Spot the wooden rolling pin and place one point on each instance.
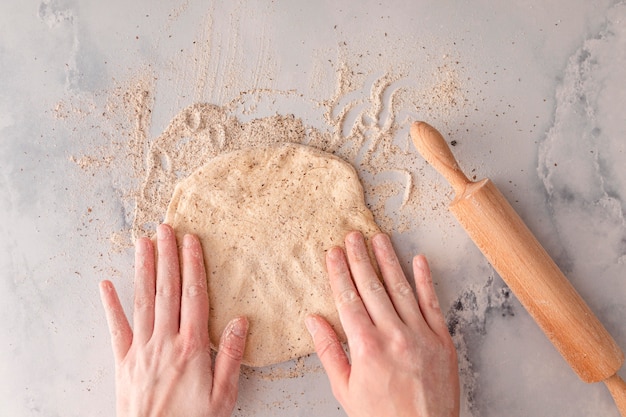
(527, 269)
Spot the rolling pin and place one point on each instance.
(527, 269)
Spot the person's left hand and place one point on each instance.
(163, 365)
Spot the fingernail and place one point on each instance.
(418, 262)
(380, 240)
(334, 253)
(311, 325)
(163, 232)
(238, 327)
(187, 241)
(355, 238)
(142, 245)
(106, 286)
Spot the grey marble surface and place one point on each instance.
(537, 105)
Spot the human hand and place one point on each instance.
(163, 365)
(402, 359)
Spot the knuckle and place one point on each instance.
(191, 346)
(403, 289)
(347, 296)
(326, 345)
(232, 346)
(401, 343)
(375, 286)
(195, 290)
(365, 345)
(143, 303)
(232, 350)
(168, 291)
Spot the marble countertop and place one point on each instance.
(531, 92)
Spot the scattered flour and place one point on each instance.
(202, 130)
(370, 131)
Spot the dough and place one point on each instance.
(265, 217)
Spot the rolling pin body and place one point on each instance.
(528, 270)
(537, 282)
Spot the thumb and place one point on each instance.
(331, 353)
(228, 360)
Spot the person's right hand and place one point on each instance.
(402, 359)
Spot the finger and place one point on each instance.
(368, 284)
(399, 290)
(167, 302)
(194, 308)
(143, 317)
(331, 353)
(352, 312)
(228, 361)
(427, 298)
(121, 333)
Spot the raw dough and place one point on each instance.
(266, 217)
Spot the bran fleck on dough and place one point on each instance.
(265, 217)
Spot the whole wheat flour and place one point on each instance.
(265, 217)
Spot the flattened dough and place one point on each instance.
(266, 217)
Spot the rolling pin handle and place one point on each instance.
(433, 147)
(617, 387)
